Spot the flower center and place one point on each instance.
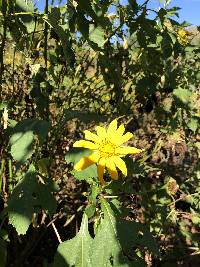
(107, 149)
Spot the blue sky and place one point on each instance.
(190, 9)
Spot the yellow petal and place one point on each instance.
(112, 128)
(101, 132)
(85, 162)
(120, 164)
(124, 138)
(91, 136)
(85, 144)
(127, 150)
(110, 165)
(120, 130)
(100, 170)
(118, 135)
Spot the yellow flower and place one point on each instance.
(182, 33)
(107, 150)
(183, 37)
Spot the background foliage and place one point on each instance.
(66, 70)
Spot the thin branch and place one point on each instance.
(56, 232)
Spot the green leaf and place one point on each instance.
(75, 252)
(63, 34)
(183, 95)
(24, 6)
(21, 146)
(90, 210)
(40, 127)
(198, 76)
(193, 124)
(21, 140)
(97, 35)
(27, 19)
(75, 154)
(106, 234)
(120, 237)
(166, 45)
(3, 106)
(87, 174)
(27, 195)
(86, 6)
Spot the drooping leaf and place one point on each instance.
(27, 195)
(75, 252)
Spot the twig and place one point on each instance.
(110, 197)
(73, 216)
(3, 43)
(2, 172)
(56, 232)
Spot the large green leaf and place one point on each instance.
(21, 140)
(116, 238)
(21, 145)
(75, 252)
(29, 194)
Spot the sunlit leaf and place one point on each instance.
(97, 35)
(87, 174)
(21, 141)
(26, 6)
(76, 251)
(115, 238)
(183, 95)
